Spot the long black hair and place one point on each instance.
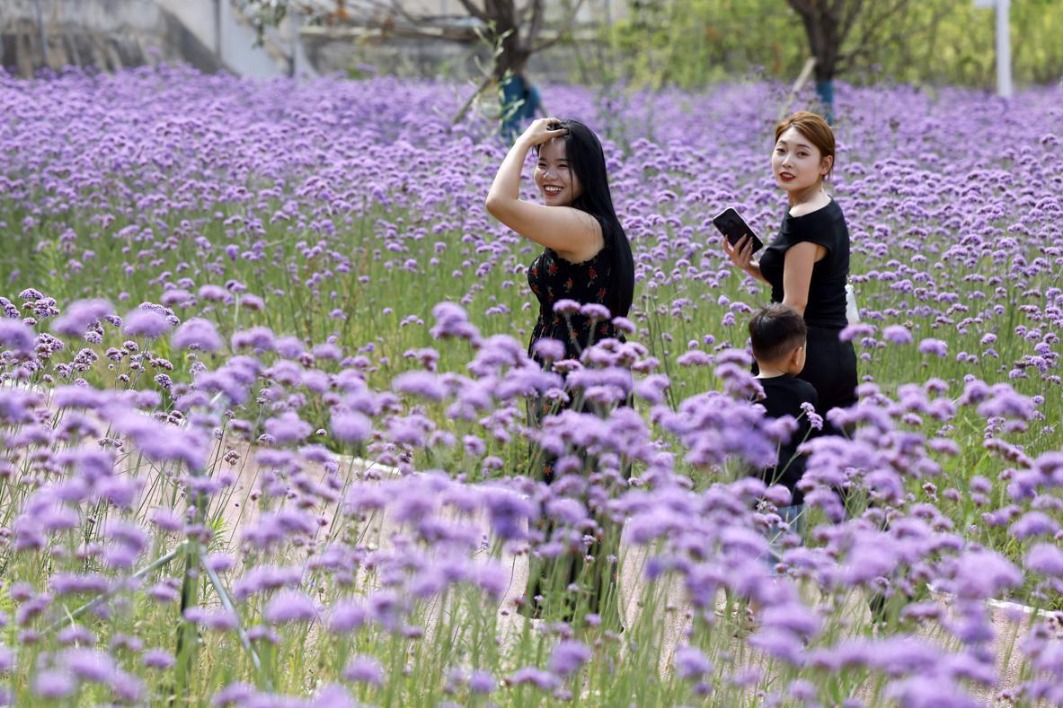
(586, 159)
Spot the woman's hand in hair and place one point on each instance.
(572, 233)
(542, 130)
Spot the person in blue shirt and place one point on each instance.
(521, 102)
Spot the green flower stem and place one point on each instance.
(100, 599)
(227, 603)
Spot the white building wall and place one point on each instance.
(213, 23)
(199, 16)
(211, 33)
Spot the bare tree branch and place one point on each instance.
(566, 22)
(397, 7)
(837, 8)
(845, 26)
(535, 26)
(855, 25)
(524, 13)
(871, 34)
(473, 10)
(472, 99)
(512, 27)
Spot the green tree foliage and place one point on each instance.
(690, 43)
(954, 43)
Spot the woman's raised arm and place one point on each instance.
(575, 235)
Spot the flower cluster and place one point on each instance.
(273, 432)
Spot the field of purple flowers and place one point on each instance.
(265, 388)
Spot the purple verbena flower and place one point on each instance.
(543, 680)
(146, 323)
(420, 383)
(453, 322)
(289, 606)
(936, 347)
(897, 334)
(18, 337)
(365, 669)
(81, 315)
(288, 428)
(568, 657)
(1045, 558)
(197, 333)
(691, 664)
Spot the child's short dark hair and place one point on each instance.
(775, 331)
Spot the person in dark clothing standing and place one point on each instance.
(586, 255)
(807, 264)
(521, 102)
(586, 258)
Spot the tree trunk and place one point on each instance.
(822, 22)
(514, 33)
(821, 28)
(515, 51)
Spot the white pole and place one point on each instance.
(217, 27)
(1003, 48)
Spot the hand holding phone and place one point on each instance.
(734, 228)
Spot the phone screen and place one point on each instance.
(734, 227)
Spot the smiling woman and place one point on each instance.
(554, 177)
(584, 280)
(586, 256)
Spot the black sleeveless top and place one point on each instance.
(553, 278)
(826, 291)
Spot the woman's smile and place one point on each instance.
(554, 177)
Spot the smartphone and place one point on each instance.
(734, 228)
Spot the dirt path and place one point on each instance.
(1010, 623)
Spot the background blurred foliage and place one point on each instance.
(691, 43)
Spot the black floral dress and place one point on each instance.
(567, 587)
(553, 278)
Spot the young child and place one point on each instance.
(777, 334)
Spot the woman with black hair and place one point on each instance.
(586, 258)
